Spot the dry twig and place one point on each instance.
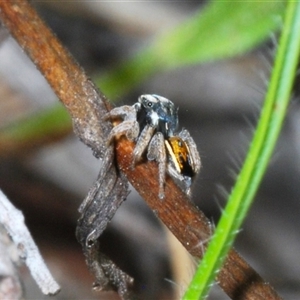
(10, 285)
(13, 221)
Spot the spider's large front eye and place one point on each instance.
(148, 101)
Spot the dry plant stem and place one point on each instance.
(13, 221)
(79, 96)
(65, 76)
(10, 285)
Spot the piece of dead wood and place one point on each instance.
(13, 221)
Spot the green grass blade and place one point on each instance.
(259, 154)
(222, 29)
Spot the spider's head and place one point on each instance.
(160, 113)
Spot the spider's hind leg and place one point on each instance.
(194, 156)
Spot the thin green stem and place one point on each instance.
(261, 149)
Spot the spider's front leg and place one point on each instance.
(157, 152)
(142, 143)
(130, 127)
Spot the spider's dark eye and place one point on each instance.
(149, 104)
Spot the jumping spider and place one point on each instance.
(152, 122)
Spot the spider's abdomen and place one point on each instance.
(180, 155)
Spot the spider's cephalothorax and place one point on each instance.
(152, 123)
(158, 112)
